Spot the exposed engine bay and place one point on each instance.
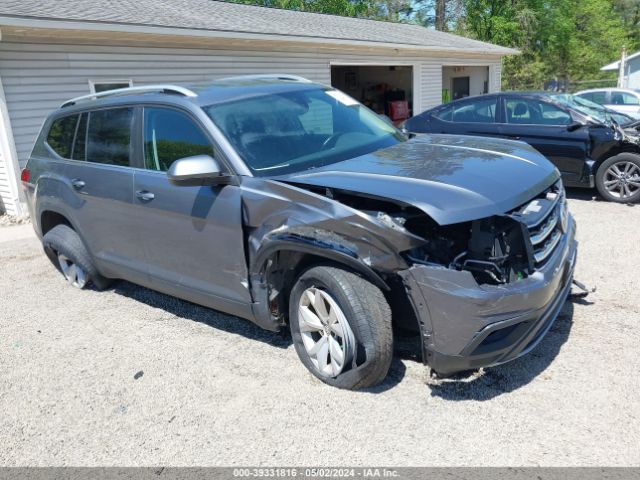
(496, 250)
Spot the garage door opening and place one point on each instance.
(385, 89)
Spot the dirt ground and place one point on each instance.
(132, 377)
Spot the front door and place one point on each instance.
(192, 235)
(544, 126)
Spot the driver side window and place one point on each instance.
(170, 135)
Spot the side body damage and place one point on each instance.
(287, 227)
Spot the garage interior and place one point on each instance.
(464, 81)
(385, 89)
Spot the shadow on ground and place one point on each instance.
(207, 316)
(237, 326)
(513, 375)
(588, 194)
(494, 382)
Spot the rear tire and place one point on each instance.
(341, 327)
(618, 178)
(68, 254)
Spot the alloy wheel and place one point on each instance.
(622, 179)
(73, 272)
(326, 334)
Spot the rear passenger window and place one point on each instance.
(478, 111)
(61, 135)
(170, 135)
(109, 136)
(445, 114)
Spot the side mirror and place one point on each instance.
(572, 127)
(196, 170)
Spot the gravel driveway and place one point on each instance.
(133, 377)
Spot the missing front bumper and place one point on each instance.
(467, 326)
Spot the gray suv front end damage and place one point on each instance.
(466, 318)
(465, 325)
(481, 291)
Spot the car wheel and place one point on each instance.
(618, 178)
(341, 327)
(68, 254)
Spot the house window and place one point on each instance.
(97, 86)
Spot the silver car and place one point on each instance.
(621, 100)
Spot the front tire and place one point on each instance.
(618, 178)
(68, 254)
(341, 327)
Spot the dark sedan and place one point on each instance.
(584, 140)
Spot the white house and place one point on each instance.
(631, 74)
(51, 51)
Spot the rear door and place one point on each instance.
(476, 116)
(101, 180)
(192, 235)
(544, 126)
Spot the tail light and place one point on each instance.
(25, 175)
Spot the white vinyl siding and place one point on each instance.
(495, 77)
(430, 86)
(7, 203)
(38, 77)
(10, 201)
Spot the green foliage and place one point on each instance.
(347, 8)
(567, 39)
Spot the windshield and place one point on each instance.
(591, 109)
(298, 130)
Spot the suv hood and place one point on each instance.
(451, 178)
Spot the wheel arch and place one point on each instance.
(624, 149)
(278, 264)
(51, 218)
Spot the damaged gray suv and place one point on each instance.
(288, 203)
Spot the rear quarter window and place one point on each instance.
(61, 135)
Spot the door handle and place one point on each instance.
(77, 184)
(145, 195)
(514, 137)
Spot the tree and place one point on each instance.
(441, 21)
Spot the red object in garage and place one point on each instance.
(398, 110)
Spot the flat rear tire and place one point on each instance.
(67, 252)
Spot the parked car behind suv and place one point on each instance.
(621, 100)
(584, 140)
(288, 203)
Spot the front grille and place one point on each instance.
(546, 219)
